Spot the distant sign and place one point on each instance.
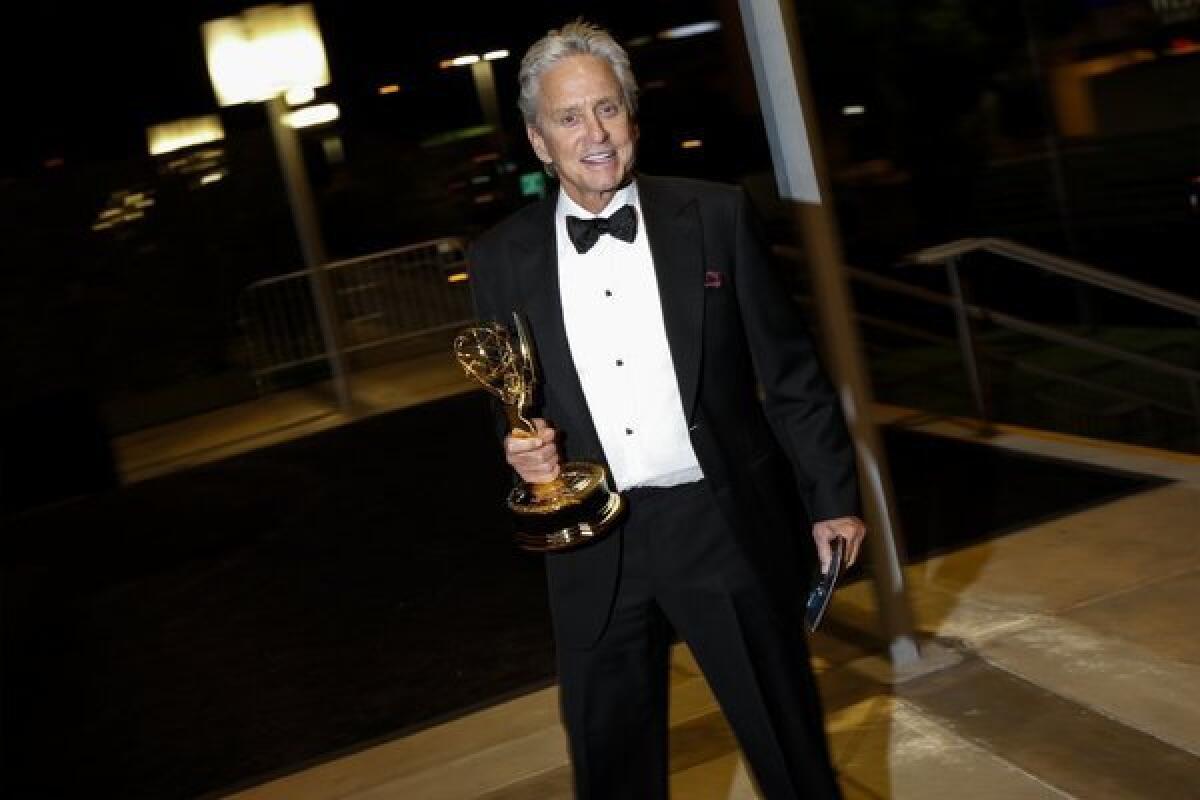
(533, 184)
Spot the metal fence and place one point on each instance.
(380, 299)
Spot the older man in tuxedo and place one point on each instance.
(658, 321)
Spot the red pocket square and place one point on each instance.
(713, 279)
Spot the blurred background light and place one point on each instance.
(694, 29)
(263, 52)
(853, 111)
(494, 55)
(167, 137)
(460, 61)
(312, 115)
(334, 148)
(299, 95)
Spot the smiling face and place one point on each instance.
(584, 129)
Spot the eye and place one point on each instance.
(567, 120)
(608, 109)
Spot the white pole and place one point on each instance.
(780, 74)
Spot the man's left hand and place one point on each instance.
(851, 529)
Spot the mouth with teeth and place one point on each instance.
(599, 159)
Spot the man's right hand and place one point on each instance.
(535, 458)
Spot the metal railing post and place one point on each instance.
(968, 346)
(1194, 390)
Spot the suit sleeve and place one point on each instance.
(800, 403)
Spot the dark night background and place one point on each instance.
(962, 136)
(1067, 125)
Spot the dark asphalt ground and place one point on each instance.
(208, 628)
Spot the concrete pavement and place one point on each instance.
(1062, 659)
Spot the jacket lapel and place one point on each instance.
(677, 244)
(536, 259)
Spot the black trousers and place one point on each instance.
(683, 568)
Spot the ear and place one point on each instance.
(538, 144)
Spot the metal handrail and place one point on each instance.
(1024, 326)
(1058, 265)
(966, 312)
(1018, 363)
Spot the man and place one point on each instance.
(653, 332)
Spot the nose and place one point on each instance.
(595, 129)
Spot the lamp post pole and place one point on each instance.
(312, 247)
(485, 86)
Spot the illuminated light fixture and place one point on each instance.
(312, 115)
(212, 177)
(473, 58)
(299, 95)
(456, 277)
(691, 144)
(183, 133)
(694, 29)
(853, 111)
(461, 61)
(263, 52)
(391, 88)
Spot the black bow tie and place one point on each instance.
(586, 232)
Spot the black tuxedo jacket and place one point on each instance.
(733, 330)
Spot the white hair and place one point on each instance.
(573, 39)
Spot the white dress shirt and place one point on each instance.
(618, 342)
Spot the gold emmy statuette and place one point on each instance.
(578, 506)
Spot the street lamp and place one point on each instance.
(485, 81)
(259, 56)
